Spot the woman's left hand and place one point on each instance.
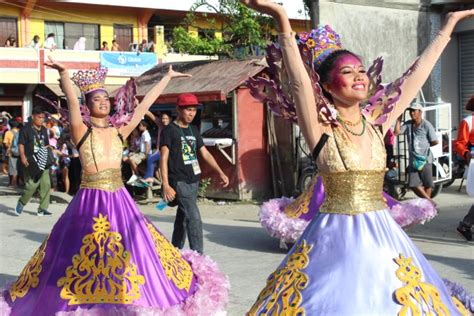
(460, 15)
(174, 74)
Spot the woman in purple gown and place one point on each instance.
(353, 258)
(103, 257)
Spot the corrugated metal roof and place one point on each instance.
(218, 77)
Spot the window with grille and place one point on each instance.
(8, 27)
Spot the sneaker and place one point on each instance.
(132, 179)
(43, 213)
(465, 231)
(19, 208)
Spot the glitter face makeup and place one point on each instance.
(349, 79)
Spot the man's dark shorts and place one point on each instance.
(422, 178)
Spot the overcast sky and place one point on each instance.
(294, 8)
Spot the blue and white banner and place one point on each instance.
(127, 64)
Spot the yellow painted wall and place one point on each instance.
(106, 34)
(193, 32)
(203, 23)
(135, 34)
(92, 16)
(9, 10)
(36, 27)
(160, 47)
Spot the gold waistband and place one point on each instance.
(353, 192)
(107, 180)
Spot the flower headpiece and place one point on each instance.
(90, 80)
(321, 42)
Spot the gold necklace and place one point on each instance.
(99, 126)
(349, 123)
(343, 123)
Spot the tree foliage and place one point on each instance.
(240, 27)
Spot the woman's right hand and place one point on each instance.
(55, 65)
(168, 193)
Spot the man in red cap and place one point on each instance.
(180, 143)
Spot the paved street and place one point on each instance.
(235, 239)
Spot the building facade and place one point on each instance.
(22, 69)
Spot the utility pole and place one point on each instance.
(314, 13)
(313, 8)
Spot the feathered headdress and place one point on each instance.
(92, 80)
(274, 86)
(322, 42)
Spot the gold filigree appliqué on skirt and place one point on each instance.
(300, 206)
(282, 295)
(416, 297)
(176, 268)
(102, 272)
(29, 277)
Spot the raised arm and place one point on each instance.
(301, 83)
(424, 65)
(143, 107)
(78, 128)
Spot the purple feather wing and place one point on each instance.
(124, 104)
(273, 87)
(64, 113)
(382, 101)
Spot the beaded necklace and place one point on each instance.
(345, 123)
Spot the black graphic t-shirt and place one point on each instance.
(183, 144)
(33, 139)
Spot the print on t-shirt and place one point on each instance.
(188, 149)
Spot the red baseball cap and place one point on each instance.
(187, 99)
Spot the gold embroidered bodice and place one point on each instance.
(353, 170)
(101, 150)
(344, 152)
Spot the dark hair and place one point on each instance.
(144, 123)
(324, 70)
(114, 41)
(104, 43)
(470, 104)
(166, 113)
(50, 35)
(36, 37)
(13, 124)
(37, 110)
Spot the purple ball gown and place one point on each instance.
(103, 257)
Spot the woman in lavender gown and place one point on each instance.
(353, 258)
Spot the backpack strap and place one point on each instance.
(83, 139)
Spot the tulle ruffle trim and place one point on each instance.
(456, 290)
(413, 212)
(211, 296)
(278, 225)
